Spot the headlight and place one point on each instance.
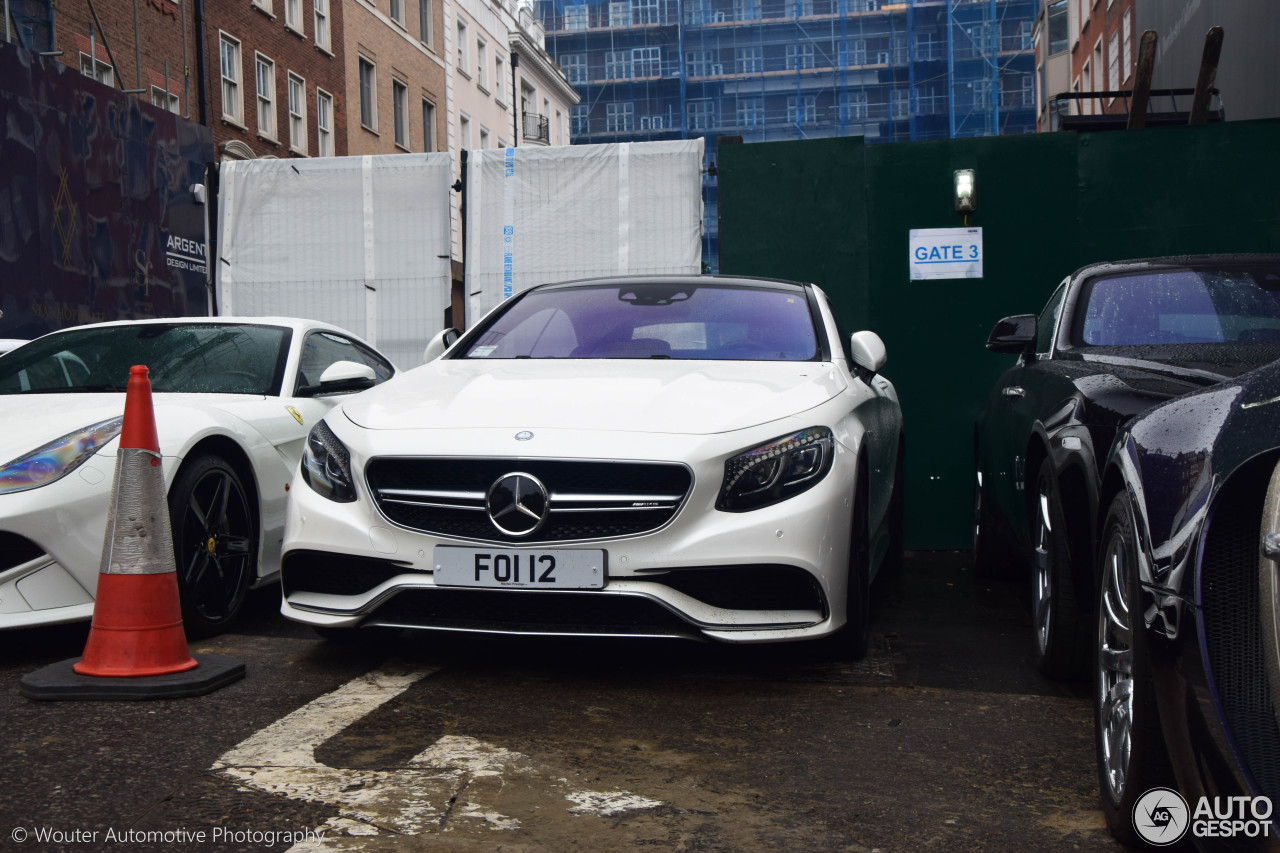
(773, 472)
(326, 465)
(56, 459)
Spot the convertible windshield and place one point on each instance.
(1182, 306)
(209, 358)
(659, 320)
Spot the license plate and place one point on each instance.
(519, 568)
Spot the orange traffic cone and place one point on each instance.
(136, 647)
(137, 617)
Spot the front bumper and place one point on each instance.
(771, 574)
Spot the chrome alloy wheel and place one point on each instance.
(1042, 601)
(1115, 666)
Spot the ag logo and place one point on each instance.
(1161, 817)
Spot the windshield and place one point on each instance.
(659, 320)
(191, 358)
(1182, 306)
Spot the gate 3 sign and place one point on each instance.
(946, 253)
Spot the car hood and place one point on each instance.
(659, 396)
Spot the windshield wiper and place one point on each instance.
(74, 389)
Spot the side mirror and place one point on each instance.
(346, 376)
(867, 351)
(1013, 334)
(437, 346)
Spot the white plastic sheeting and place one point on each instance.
(360, 242)
(551, 214)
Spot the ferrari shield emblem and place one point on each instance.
(297, 416)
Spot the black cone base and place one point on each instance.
(60, 681)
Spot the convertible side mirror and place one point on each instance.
(867, 351)
(1013, 334)
(438, 344)
(342, 376)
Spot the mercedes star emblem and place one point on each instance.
(517, 504)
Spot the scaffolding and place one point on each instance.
(767, 70)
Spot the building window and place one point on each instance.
(746, 10)
(484, 138)
(499, 74)
(428, 125)
(620, 14)
(1113, 62)
(619, 117)
(617, 65)
(929, 46)
(1058, 39)
(804, 8)
(97, 69)
(864, 5)
(266, 78)
(293, 14)
(400, 113)
(482, 64)
(645, 11)
(646, 61)
(578, 114)
(803, 110)
(799, 56)
(1126, 37)
(858, 52)
(702, 115)
(981, 94)
(575, 17)
(575, 67)
(462, 48)
(368, 95)
(698, 62)
(324, 123)
(749, 60)
(899, 103)
(322, 24)
(232, 106)
(265, 5)
(395, 8)
(750, 112)
(164, 100)
(297, 114)
(424, 21)
(464, 132)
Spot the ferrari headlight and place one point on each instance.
(775, 471)
(326, 465)
(57, 459)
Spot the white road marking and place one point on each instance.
(427, 796)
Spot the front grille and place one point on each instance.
(530, 613)
(752, 587)
(16, 550)
(588, 500)
(1233, 635)
(334, 574)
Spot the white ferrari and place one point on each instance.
(695, 457)
(234, 400)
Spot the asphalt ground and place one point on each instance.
(943, 738)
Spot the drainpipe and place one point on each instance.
(515, 100)
(201, 81)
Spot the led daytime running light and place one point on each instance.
(740, 465)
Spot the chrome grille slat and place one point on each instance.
(588, 499)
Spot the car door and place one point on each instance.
(1024, 395)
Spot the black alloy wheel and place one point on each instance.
(1131, 755)
(1062, 636)
(215, 543)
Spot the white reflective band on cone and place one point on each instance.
(139, 539)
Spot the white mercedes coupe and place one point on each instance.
(694, 457)
(234, 400)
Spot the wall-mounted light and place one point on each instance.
(966, 190)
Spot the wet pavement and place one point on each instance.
(943, 738)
